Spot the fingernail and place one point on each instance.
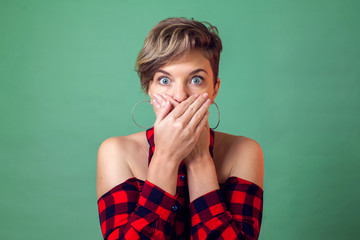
(156, 103)
(196, 95)
(205, 95)
(157, 96)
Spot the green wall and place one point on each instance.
(290, 75)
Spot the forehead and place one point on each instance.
(193, 59)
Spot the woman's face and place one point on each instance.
(185, 76)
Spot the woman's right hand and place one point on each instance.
(178, 127)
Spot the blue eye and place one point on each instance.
(164, 80)
(197, 80)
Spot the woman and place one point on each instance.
(180, 179)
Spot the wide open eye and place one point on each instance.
(164, 80)
(197, 80)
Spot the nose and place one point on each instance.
(179, 92)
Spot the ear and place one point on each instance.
(216, 89)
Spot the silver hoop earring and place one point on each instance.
(219, 116)
(132, 113)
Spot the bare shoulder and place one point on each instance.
(116, 158)
(242, 156)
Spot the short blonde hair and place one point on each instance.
(174, 37)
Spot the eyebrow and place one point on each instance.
(193, 72)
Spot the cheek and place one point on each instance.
(211, 95)
(201, 89)
(157, 90)
(152, 91)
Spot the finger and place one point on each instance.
(163, 112)
(207, 126)
(196, 106)
(160, 99)
(171, 99)
(183, 106)
(173, 102)
(202, 124)
(198, 116)
(157, 106)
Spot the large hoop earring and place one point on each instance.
(217, 107)
(133, 110)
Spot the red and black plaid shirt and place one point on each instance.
(137, 209)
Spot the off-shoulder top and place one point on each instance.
(137, 209)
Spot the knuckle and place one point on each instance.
(198, 117)
(179, 125)
(192, 108)
(187, 131)
(192, 141)
(182, 125)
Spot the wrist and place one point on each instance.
(168, 168)
(200, 167)
(195, 163)
(164, 163)
(202, 177)
(164, 156)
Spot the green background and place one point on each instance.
(290, 75)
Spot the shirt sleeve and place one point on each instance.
(235, 212)
(126, 212)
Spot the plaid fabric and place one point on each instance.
(137, 209)
(233, 212)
